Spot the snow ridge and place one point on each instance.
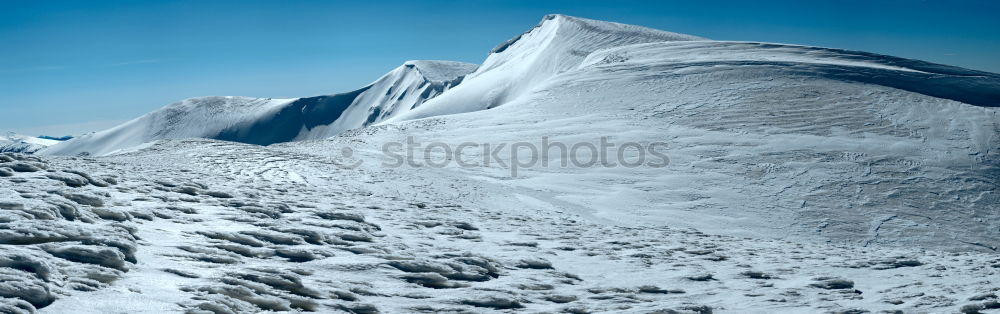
(401, 90)
(265, 121)
(441, 71)
(969, 86)
(193, 117)
(558, 44)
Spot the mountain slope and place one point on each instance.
(560, 43)
(765, 140)
(969, 86)
(557, 44)
(266, 121)
(402, 90)
(194, 117)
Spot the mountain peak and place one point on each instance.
(573, 24)
(557, 44)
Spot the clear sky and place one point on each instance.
(70, 66)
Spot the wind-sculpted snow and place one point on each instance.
(55, 238)
(266, 121)
(223, 227)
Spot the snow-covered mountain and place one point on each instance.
(265, 121)
(18, 143)
(514, 69)
(767, 139)
(800, 179)
(867, 110)
(562, 43)
(850, 128)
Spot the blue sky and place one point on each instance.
(70, 66)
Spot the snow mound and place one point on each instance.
(194, 117)
(265, 121)
(558, 44)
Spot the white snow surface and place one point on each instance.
(801, 180)
(198, 225)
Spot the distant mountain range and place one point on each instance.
(19, 143)
(266, 121)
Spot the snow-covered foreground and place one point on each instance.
(225, 227)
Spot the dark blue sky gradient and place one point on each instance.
(67, 62)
